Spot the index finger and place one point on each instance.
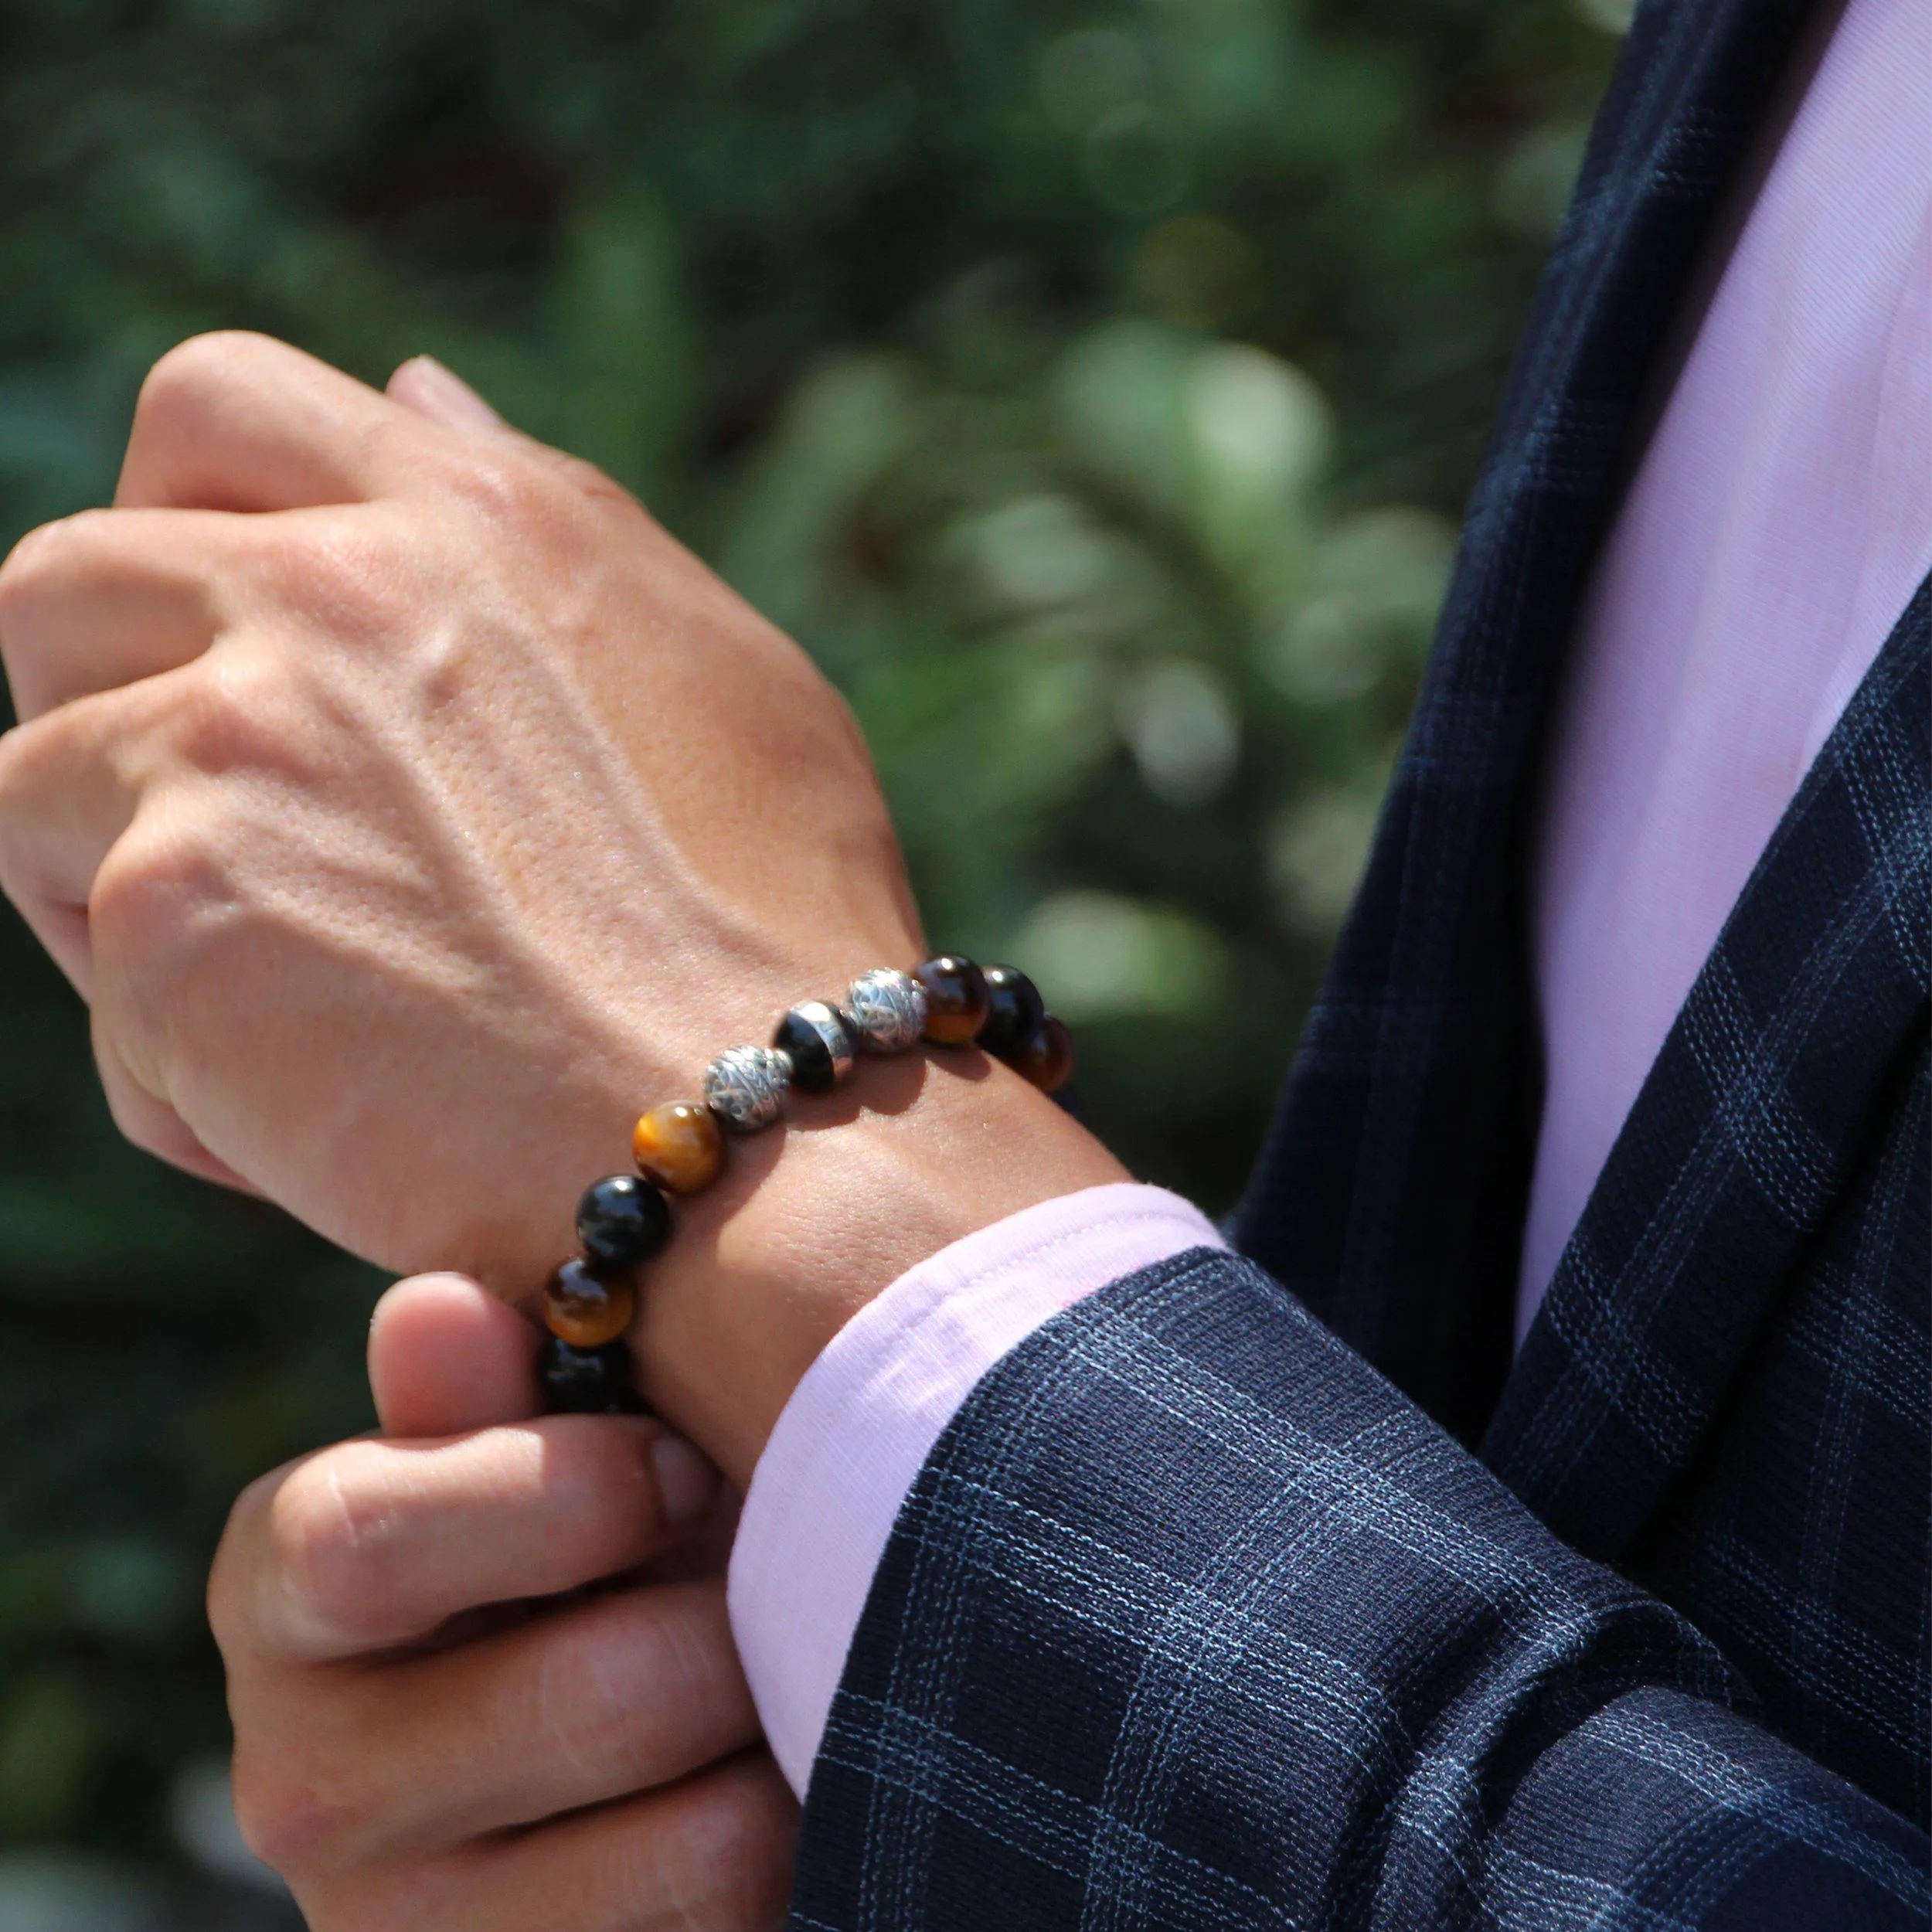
(239, 421)
(375, 1544)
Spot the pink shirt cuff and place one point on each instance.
(852, 1440)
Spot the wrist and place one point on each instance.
(813, 1220)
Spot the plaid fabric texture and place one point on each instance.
(1194, 1620)
(1204, 1614)
(1726, 1390)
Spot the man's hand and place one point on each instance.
(440, 1724)
(370, 766)
(414, 812)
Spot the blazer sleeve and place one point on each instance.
(1191, 1619)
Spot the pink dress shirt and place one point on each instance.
(1779, 520)
(850, 1440)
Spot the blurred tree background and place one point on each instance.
(1093, 388)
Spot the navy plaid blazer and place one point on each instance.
(1264, 1591)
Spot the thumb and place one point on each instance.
(445, 1356)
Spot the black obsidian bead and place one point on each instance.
(819, 1045)
(1015, 1010)
(622, 1221)
(588, 1382)
(955, 999)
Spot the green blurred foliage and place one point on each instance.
(1092, 389)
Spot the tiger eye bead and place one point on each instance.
(588, 1382)
(622, 1222)
(587, 1307)
(955, 991)
(1047, 1059)
(678, 1147)
(1015, 1010)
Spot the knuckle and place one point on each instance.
(145, 892)
(139, 1126)
(507, 487)
(17, 753)
(593, 1729)
(39, 564)
(757, 1816)
(737, 1851)
(618, 1690)
(323, 1547)
(293, 1816)
(181, 386)
(274, 1822)
(232, 1594)
(242, 713)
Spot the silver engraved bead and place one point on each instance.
(887, 1011)
(746, 1087)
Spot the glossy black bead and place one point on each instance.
(819, 1045)
(588, 1382)
(622, 1221)
(1015, 1010)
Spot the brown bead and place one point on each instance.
(1047, 1059)
(678, 1147)
(587, 1309)
(955, 999)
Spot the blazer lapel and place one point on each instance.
(1390, 1192)
(1756, 1107)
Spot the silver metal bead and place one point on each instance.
(886, 1011)
(746, 1087)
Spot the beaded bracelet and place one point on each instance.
(624, 1219)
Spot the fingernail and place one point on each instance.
(686, 1481)
(448, 398)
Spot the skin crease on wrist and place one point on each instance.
(414, 813)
